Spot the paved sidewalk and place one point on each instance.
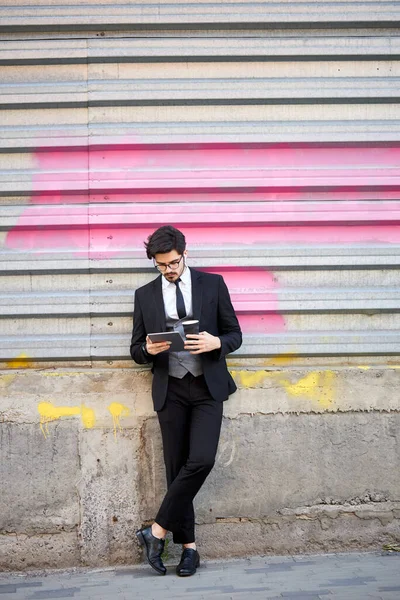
(350, 576)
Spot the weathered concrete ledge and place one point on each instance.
(308, 461)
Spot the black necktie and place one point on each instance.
(180, 303)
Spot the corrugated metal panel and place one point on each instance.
(307, 47)
(108, 15)
(200, 83)
(278, 156)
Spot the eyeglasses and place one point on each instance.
(173, 265)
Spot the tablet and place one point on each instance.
(169, 336)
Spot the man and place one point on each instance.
(189, 387)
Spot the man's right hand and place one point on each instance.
(154, 348)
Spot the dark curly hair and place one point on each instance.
(163, 240)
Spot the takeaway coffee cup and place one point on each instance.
(190, 326)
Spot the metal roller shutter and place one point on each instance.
(267, 131)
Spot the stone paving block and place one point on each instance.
(350, 581)
(105, 597)
(384, 559)
(58, 593)
(355, 595)
(389, 579)
(300, 596)
(29, 584)
(126, 572)
(220, 588)
(306, 594)
(314, 557)
(341, 563)
(237, 581)
(269, 568)
(8, 589)
(274, 586)
(98, 584)
(268, 560)
(251, 589)
(240, 596)
(145, 574)
(200, 580)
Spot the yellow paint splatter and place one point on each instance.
(63, 374)
(117, 412)
(316, 386)
(363, 367)
(88, 417)
(5, 380)
(48, 412)
(282, 360)
(250, 379)
(19, 362)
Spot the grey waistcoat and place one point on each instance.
(182, 362)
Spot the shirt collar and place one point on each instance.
(185, 279)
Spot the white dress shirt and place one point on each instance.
(169, 294)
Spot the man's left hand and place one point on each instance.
(197, 343)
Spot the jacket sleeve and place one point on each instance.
(139, 336)
(229, 329)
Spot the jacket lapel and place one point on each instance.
(159, 304)
(197, 293)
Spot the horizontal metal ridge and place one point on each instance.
(213, 214)
(191, 49)
(278, 257)
(121, 168)
(13, 140)
(102, 347)
(183, 15)
(257, 90)
(120, 302)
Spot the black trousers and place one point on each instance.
(190, 423)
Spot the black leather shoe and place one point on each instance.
(190, 560)
(154, 547)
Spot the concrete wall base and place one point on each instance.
(308, 461)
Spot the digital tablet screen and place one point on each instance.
(169, 336)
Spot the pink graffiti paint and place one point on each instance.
(102, 202)
(59, 179)
(236, 196)
(261, 324)
(254, 297)
(285, 203)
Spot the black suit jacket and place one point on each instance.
(213, 308)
